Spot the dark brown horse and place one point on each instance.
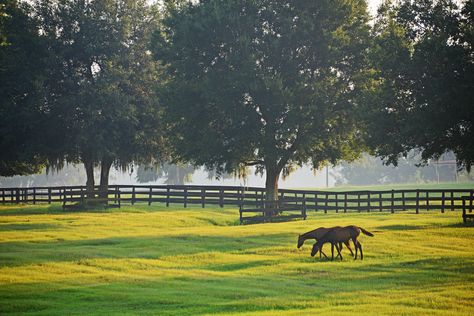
(317, 234)
(339, 235)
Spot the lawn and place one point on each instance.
(175, 261)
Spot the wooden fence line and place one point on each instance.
(360, 201)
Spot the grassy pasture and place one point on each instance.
(175, 261)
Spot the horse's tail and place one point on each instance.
(366, 232)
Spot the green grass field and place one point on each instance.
(175, 261)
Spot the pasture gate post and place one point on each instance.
(185, 197)
(443, 201)
(149, 196)
(3, 195)
(417, 201)
(203, 197)
(221, 197)
(167, 195)
(337, 202)
(392, 210)
(345, 202)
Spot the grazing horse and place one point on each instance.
(317, 234)
(339, 235)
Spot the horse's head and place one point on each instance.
(315, 249)
(300, 241)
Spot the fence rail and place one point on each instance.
(360, 201)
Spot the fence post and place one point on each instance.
(380, 202)
(149, 196)
(17, 196)
(168, 196)
(3, 195)
(452, 201)
(221, 197)
(470, 201)
(185, 197)
(393, 201)
(133, 195)
(464, 219)
(304, 209)
(403, 199)
(345, 202)
(443, 201)
(326, 203)
(34, 195)
(417, 201)
(337, 202)
(119, 194)
(358, 202)
(368, 202)
(203, 197)
(427, 200)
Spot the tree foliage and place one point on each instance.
(22, 71)
(268, 83)
(425, 91)
(100, 87)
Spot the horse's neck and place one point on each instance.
(309, 235)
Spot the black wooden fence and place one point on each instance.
(368, 201)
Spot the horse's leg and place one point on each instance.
(354, 240)
(361, 253)
(348, 247)
(322, 252)
(332, 251)
(339, 250)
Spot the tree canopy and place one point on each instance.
(22, 71)
(100, 87)
(424, 56)
(269, 83)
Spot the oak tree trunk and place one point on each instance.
(105, 165)
(89, 166)
(271, 189)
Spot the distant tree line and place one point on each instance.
(370, 170)
(232, 84)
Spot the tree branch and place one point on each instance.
(254, 163)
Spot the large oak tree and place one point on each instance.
(266, 83)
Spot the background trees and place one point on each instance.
(262, 82)
(424, 57)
